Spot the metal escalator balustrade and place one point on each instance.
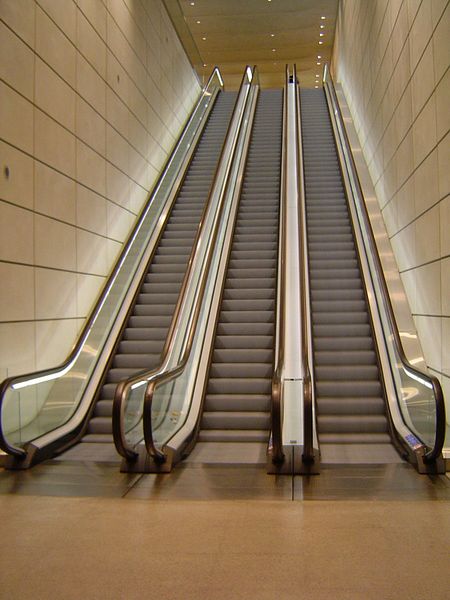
(42, 412)
(136, 416)
(415, 404)
(349, 390)
(144, 337)
(238, 393)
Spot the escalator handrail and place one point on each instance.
(308, 397)
(5, 445)
(163, 372)
(435, 452)
(276, 407)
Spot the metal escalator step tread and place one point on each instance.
(233, 435)
(236, 402)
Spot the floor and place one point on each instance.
(81, 530)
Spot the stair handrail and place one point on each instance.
(435, 452)
(163, 372)
(51, 373)
(308, 383)
(276, 406)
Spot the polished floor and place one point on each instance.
(81, 530)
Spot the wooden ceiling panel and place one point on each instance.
(234, 33)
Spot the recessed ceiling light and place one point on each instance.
(205, 65)
(272, 35)
(322, 27)
(318, 63)
(274, 49)
(320, 42)
(317, 87)
(317, 75)
(320, 17)
(321, 34)
(204, 39)
(193, 4)
(319, 56)
(198, 22)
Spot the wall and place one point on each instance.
(392, 58)
(93, 95)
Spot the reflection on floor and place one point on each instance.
(83, 530)
(197, 481)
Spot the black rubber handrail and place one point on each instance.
(10, 381)
(276, 406)
(435, 452)
(162, 372)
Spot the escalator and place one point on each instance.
(351, 408)
(235, 424)
(142, 340)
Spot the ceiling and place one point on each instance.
(270, 33)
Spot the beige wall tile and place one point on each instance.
(116, 149)
(440, 45)
(405, 158)
(91, 210)
(92, 255)
(116, 76)
(16, 119)
(119, 222)
(56, 183)
(17, 63)
(406, 204)
(409, 283)
(17, 354)
(63, 14)
(443, 162)
(442, 98)
(91, 168)
(426, 183)
(54, 341)
(138, 197)
(446, 347)
(429, 330)
(113, 250)
(420, 32)
(20, 16)
(54, 194)
(427, 236)
(90, 85)
(18, 187)
(95, 12)
(54, 96)
(17, 297)
(404, 246)
(91, 45)
(54, 47)
(445, 286)
(428, 294)
(54, 145)
(117, 112)
(16, 234)
(89, 288)
(55, 245)
(117, 186)
(423, 80)
(424, 131)
(90, 126)
(55, 294)
(444, 218)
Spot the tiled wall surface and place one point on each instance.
(93, 94)
(392, 59)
